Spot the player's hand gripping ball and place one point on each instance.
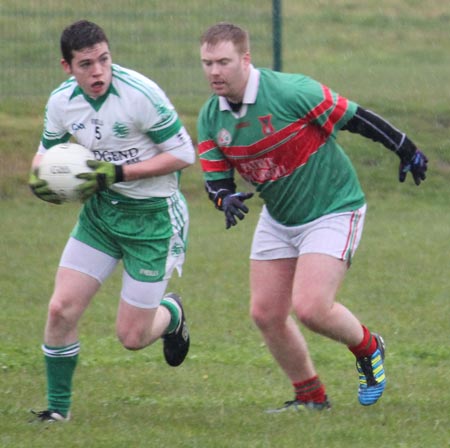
(55, 179)
(102, 176)
(40, 188)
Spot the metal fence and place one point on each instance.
(157, 38)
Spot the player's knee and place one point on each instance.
(266, 319)
(132, 344)
(55, 310)
(131, 340)
(309, 316)
(59, 313)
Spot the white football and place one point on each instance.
(59, 166)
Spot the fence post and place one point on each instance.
(276, 30)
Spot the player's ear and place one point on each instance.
(247, 59)
(66, 66)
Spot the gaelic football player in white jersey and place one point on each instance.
(133, 209)
(278, 130)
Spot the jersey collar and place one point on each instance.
(251, 90)
(96, 103)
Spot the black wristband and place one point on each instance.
(406, 150)
(119, 173)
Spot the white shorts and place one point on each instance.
(336, 234)
(84, 258)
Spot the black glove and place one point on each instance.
(417, 166)
(232, 204)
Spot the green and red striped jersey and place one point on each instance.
(283, 141)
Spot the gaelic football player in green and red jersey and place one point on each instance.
(133, 209)
(278, 131)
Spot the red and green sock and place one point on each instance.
(311, 390)
(366, 347)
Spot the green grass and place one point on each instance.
(390, 56)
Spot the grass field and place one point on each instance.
(391, 56)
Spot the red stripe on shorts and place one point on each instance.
(352, 231)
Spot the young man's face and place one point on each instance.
(91, 67)
(226, 69)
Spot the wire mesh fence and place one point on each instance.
(158, 38)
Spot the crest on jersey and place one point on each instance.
(223, 137)
(266, 123)
(120, 130)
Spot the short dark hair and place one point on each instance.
(224, 31)
(79, 35)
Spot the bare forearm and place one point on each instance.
(159, 165)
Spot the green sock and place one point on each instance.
(60, 365)
(174, 311)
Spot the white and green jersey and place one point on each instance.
(283, 141)
(132, 122)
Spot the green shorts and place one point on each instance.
(149, 235)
